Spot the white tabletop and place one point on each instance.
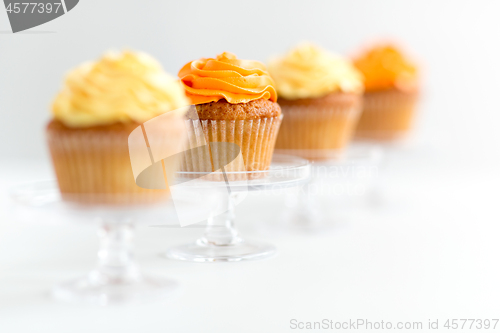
(426, 249)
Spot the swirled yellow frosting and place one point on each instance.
(118, 88)
(309, 71)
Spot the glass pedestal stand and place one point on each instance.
(116, 277)
(221, 241)
(397, 153)
(335, 185)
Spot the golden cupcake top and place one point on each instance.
(118, 88)
(385, 67)
(308, 71)
(227, 77)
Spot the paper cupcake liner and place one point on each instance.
(255, 138)
(94, 167)
(386, 115)
(316, 133)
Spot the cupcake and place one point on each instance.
(321, 96)
(235, 103)
(391, 93)
(101, 103)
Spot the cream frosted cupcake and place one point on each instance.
(100, 104)
(391, 93)
(235, 101)
(320, 95)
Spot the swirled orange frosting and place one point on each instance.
(226, 77)
(385, 67)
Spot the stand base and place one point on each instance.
(301, 222)
(201, 251)
(96, 289)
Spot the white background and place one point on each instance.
(455, 41)
(430, 250)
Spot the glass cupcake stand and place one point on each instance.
(221, 241)
(117, 278)
(405, 147)
(338, 181)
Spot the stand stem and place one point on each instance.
(115, 257)
(221, 230)
(302, 208)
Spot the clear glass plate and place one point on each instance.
(336, 184)
(221, 241)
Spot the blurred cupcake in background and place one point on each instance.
(391, 93)
(235, 102)
(321, 98)
(100, 104)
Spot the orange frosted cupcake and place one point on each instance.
(236, 103)
(100, 104)
(391, 93)
(320, 95)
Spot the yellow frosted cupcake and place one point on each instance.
(100, 104)
(391, 93)
(320, 95)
